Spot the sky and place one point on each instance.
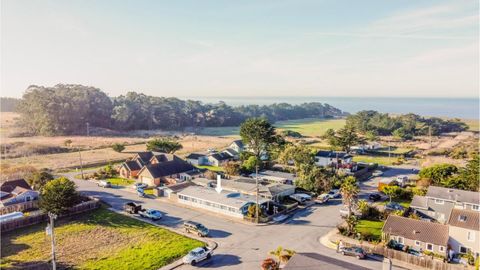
(244, 48)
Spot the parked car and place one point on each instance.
(402, 180)
(393, 206)
(301, 198)
(377, 173)
(322, 198)
(354, 251)
(334, 193)
(132, 208)
(395, 245)
(140, 185)
(151, 214)
(414, 252)
(374, 197)
(104, 184)
(197, 255)
(195, 227)
(140, 192)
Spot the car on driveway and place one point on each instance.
(195, 227)
(393, 206)
(197, 255)
(377, 173)
(301, 198)
(132, 208)
(140, 185)
(357, 252)
(151, 214)
(374, 197)
(322, 198)
(334, 193)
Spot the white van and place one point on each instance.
(301, 198)
(402, 180)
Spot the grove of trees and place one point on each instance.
(67, 108)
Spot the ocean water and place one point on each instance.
(467, 108)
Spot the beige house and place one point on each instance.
(464, 231)
(166, 173)
(417, 234)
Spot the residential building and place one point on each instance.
(438, 203)
(315, 261)
(464, 231)
(275, 177)
(16, 191)
(130, 168)
(197, 159)
(167, 172)
(225, 202)
(417, 234)
(237, 146)
(219, 159)
(332, 158)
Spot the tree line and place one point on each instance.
(67, 108)
(8, 104)
(404, 126)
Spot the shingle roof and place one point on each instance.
(332, 154)
(162, 157)
(414, 229)
(239, 143)
(419, 202)
(231, 152)
(194, 156)
(145, 156)
(315, 261)
(467, 219)
(220, 156)
(132, 165)
(10, 185)
(454, 194)
(169, 168)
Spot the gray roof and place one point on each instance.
(239, 143)
(169, 168)
(231, 152)
(231, 199)
(286, 175)
(220, 156)
(315, 261)
(425, 231)
(132, 165)
(451, 194)
(332, 154)
(419, 202)
(246, 185)
(194, 156)
(467, 219)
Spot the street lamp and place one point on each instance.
(50, 230)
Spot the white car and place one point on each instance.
(197, 255)
(301, 198)
(104, 184)
(322, 198)
(377, 173)
(334, 193)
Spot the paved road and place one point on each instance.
(241, 246)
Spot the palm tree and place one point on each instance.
(349, 190)
(282, 254)
(277, 253)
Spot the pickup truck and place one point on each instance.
(197, 255)
(132, 208)
(150, 213)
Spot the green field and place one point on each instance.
(210, 168)
(375, 159)
(100, 239)
(373, 227)
(307, 127)
(117, 181)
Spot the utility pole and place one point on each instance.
(430, 135)
(256, 193)
(81, 164)
(52, 237)
(88, 129)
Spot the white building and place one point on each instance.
(464, 231)
(329, 158)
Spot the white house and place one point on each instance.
(464, 231)
(332, 158)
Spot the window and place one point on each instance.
(462, 218)
(476, 207)
(441, 248)
(471, 236)
(400, 240)
(438, 201)
(463, 250)
(417, 243)
(429, 247)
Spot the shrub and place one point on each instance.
(118, 147)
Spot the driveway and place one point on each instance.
(241, 246)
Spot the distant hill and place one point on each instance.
(8, 104)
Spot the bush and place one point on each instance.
(118, 147)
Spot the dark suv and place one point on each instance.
(195, 227)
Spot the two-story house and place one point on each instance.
(332, 158)
(464, 231)
(438, 203)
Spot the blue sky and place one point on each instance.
(243, 48)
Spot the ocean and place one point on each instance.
(466, 108)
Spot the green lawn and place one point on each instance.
(211, 168)
(307, 127)
(373, 227)
(100, 239)
(375, 159)
(120, 181)
(405, 204)
(148, 191)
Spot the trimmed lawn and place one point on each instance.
(100, 239)
(148, 191)
(211, 168)
(120, 181)
(373, 227)
(375, 159)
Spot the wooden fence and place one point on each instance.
(34, 219)
(404, 259)
(19, 207)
